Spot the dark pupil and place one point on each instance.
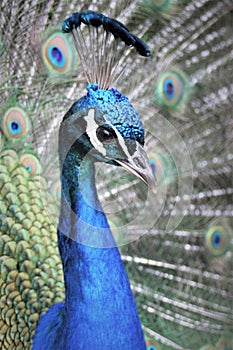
(56, 53)
(170, 88)
(153, 167)
(105, 135)
(217, 239)
(15, 126)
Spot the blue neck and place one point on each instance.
(81, 211)
(99, 305)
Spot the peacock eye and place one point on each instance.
(105, 135)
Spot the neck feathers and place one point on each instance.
(87, 223)
(98, 294)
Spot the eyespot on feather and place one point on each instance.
(56, 190)
(225, 344)
(217, 240)
(16, 123)
(172, 90)
(31, 163)
(163, 166)
(208, 347)
(57, 54)
(158, 165)
(162, 4)
(152, 345)
(160, 9)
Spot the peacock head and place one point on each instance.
(105, 126)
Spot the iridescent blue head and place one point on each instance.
(116, 108)
(104, 125)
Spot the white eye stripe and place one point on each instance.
(120, 140)
(132, 157)
(92, 126)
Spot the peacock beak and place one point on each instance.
(139, 165)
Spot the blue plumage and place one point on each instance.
(99, 310)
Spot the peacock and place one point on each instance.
(176, 244)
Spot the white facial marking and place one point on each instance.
(122, 143)
(92, 126)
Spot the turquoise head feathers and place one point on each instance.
(116, 107)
